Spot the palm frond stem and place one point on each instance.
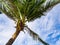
(35, 35)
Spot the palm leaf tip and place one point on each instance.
(43, 41)
(35, 36)
(0, 12)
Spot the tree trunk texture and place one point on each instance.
(19, 28)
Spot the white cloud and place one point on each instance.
(58, 42)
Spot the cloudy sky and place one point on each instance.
(47, 27)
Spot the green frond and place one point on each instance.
(8, 14)
(33, 9)
(34, 35)
(41, 9)
(49, 5)
(10, 9)
(27, 9)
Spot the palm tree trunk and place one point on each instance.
(12, 39)
(33, 34)
(19, 28)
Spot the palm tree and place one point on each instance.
(22, 11)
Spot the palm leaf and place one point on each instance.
(44, 7)
(34, 35)
(8, 14)
(27, 9)
(4, 10)
(10, 9)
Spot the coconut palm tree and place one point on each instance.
(22, 11)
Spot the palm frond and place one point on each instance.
(34, 35)
(0, 12)
(41, 9)
(8, 14)
(28, 9)
(10, 9)
(0, 7)
(49, 5)
(33, 9)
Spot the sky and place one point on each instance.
(47, 27)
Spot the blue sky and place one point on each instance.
(48, 28)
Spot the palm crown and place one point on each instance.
(26, 10)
